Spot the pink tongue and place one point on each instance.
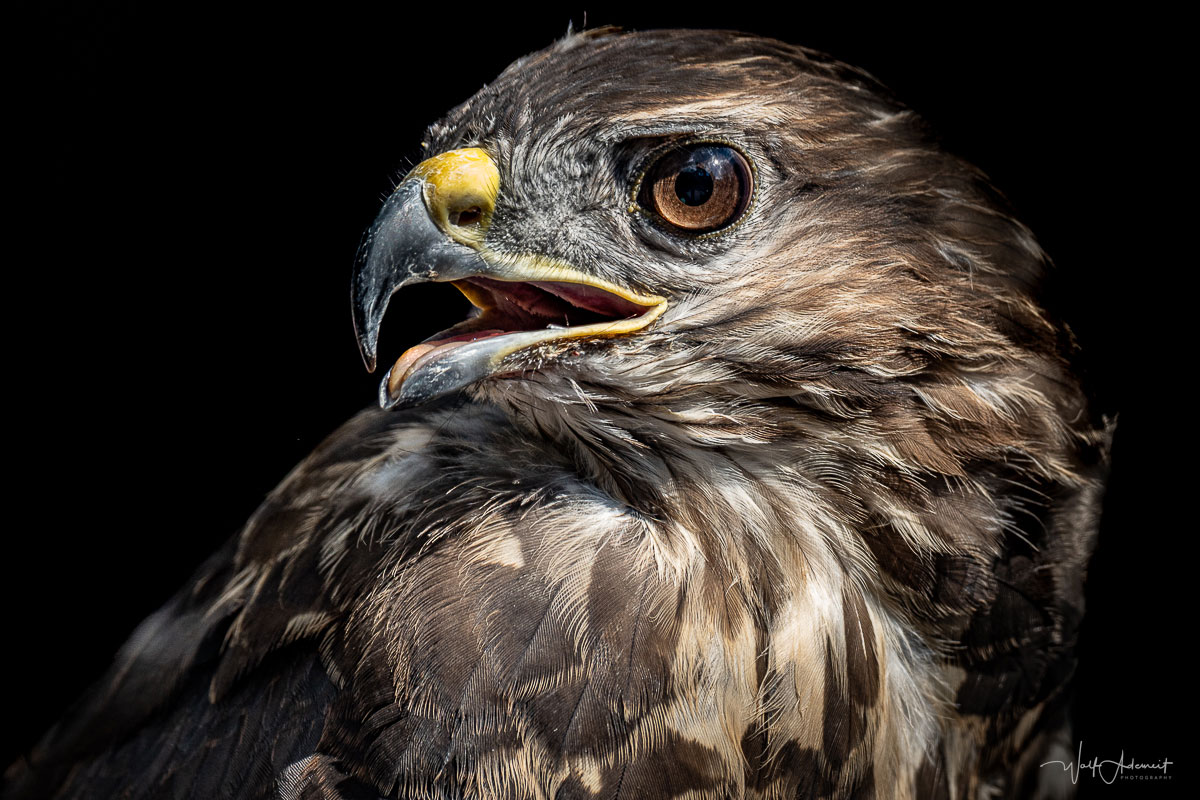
(592, 299)
(421, 354)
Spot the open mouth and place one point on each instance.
(518, 314)
(523, 300)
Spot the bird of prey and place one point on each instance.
(759, 470)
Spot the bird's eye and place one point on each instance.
(701, 188)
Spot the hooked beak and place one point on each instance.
(433, 228)
(406, 246)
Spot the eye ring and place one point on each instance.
(697, 187)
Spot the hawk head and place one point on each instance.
(731, 237)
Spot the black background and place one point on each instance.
(190, 187)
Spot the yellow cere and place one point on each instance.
(460, 192)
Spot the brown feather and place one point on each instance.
(820, 532)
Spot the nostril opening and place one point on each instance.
(468, 216)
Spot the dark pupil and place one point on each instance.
(693, 186)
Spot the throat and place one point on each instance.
(636, 446)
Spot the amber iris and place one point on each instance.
(698, 188)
